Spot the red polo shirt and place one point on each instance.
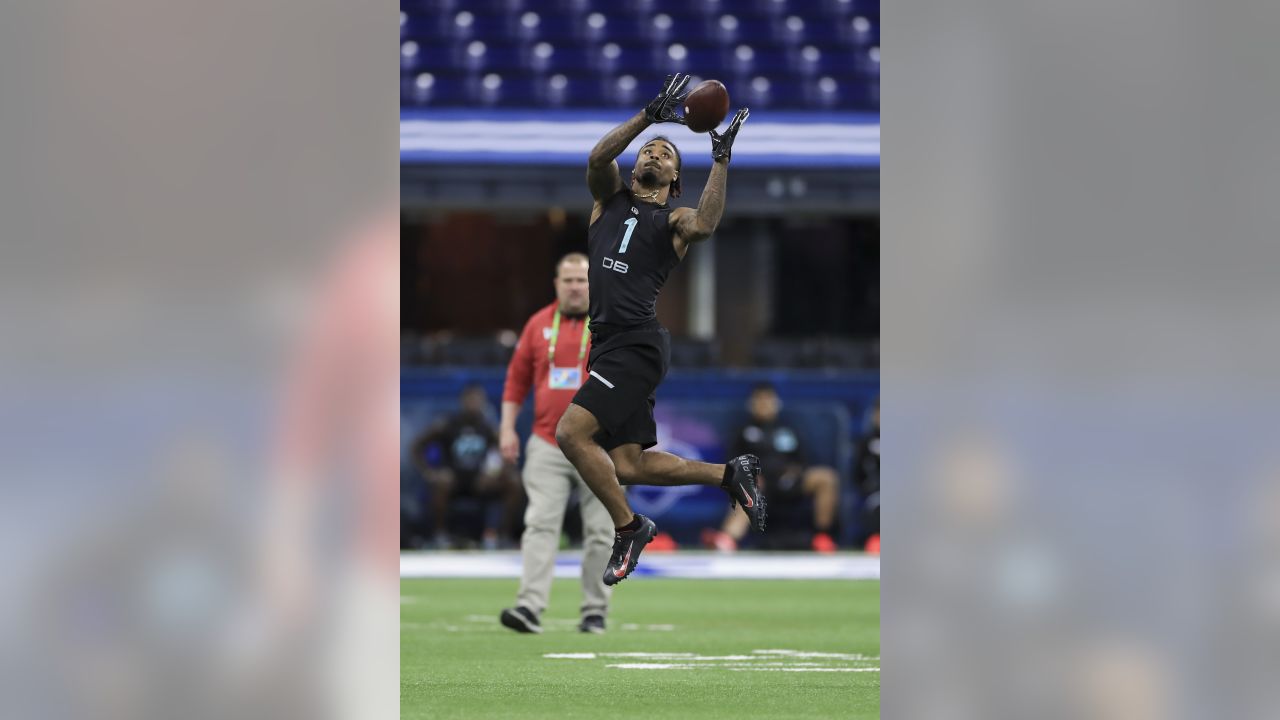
(529, 368)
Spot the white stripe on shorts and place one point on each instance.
(597, 376)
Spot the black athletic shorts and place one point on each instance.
(623, 371)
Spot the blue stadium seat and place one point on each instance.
(433, 6)
(432, 89)
(505, 58)
(745, 58)
(599, 27)
(564, 90)
(654, 7)
(554, 29)
(762, 91)
(736, 28)
(503, 6)
(613, 59)
(678, 57)
(824, 31)
(546, 57)
(859, 30)
(569, 8)
(520, 91)
(415, 55)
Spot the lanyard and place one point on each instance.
(555, 333)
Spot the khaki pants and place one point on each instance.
(548, 479)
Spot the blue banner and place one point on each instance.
(565, 137)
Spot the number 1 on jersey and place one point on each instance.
(631, 227)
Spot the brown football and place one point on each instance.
(706, 105)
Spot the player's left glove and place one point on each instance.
(663, 107)
(722, 145)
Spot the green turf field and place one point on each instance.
(456, 661)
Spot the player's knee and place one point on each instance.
(566, 438)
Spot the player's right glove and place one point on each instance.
(722, 145)
(663, 107)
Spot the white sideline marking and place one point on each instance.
(756, 655)
(758, 661)
(648, 655)
(768, 669)
(601, 379)
(800, 654)
(651, 628)
(678, 666)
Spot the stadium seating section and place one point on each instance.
(788, 54)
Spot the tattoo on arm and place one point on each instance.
(603, 178)
(612, 145)
(710, 205)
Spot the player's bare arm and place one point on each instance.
(603, 178)
(697, 225)
(692, 225)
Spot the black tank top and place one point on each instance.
(631, 256)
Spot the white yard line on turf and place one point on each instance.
(759, 660)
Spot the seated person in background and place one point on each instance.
(469, 466)
(866, 478)
(782, 463)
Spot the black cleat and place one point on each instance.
(521, 619)
(740, 481)
(592, 624)
(626, 551)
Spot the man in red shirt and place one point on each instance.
(551, 359)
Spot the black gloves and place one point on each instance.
(722, 145)
(663, 107)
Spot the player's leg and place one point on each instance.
(654, 467)
(513, 500)
(822, 484)
(576, 436)
(442, 487)
(736, 524)
(731, 531)
(548, 490)
(617, 393)
(500, 486)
